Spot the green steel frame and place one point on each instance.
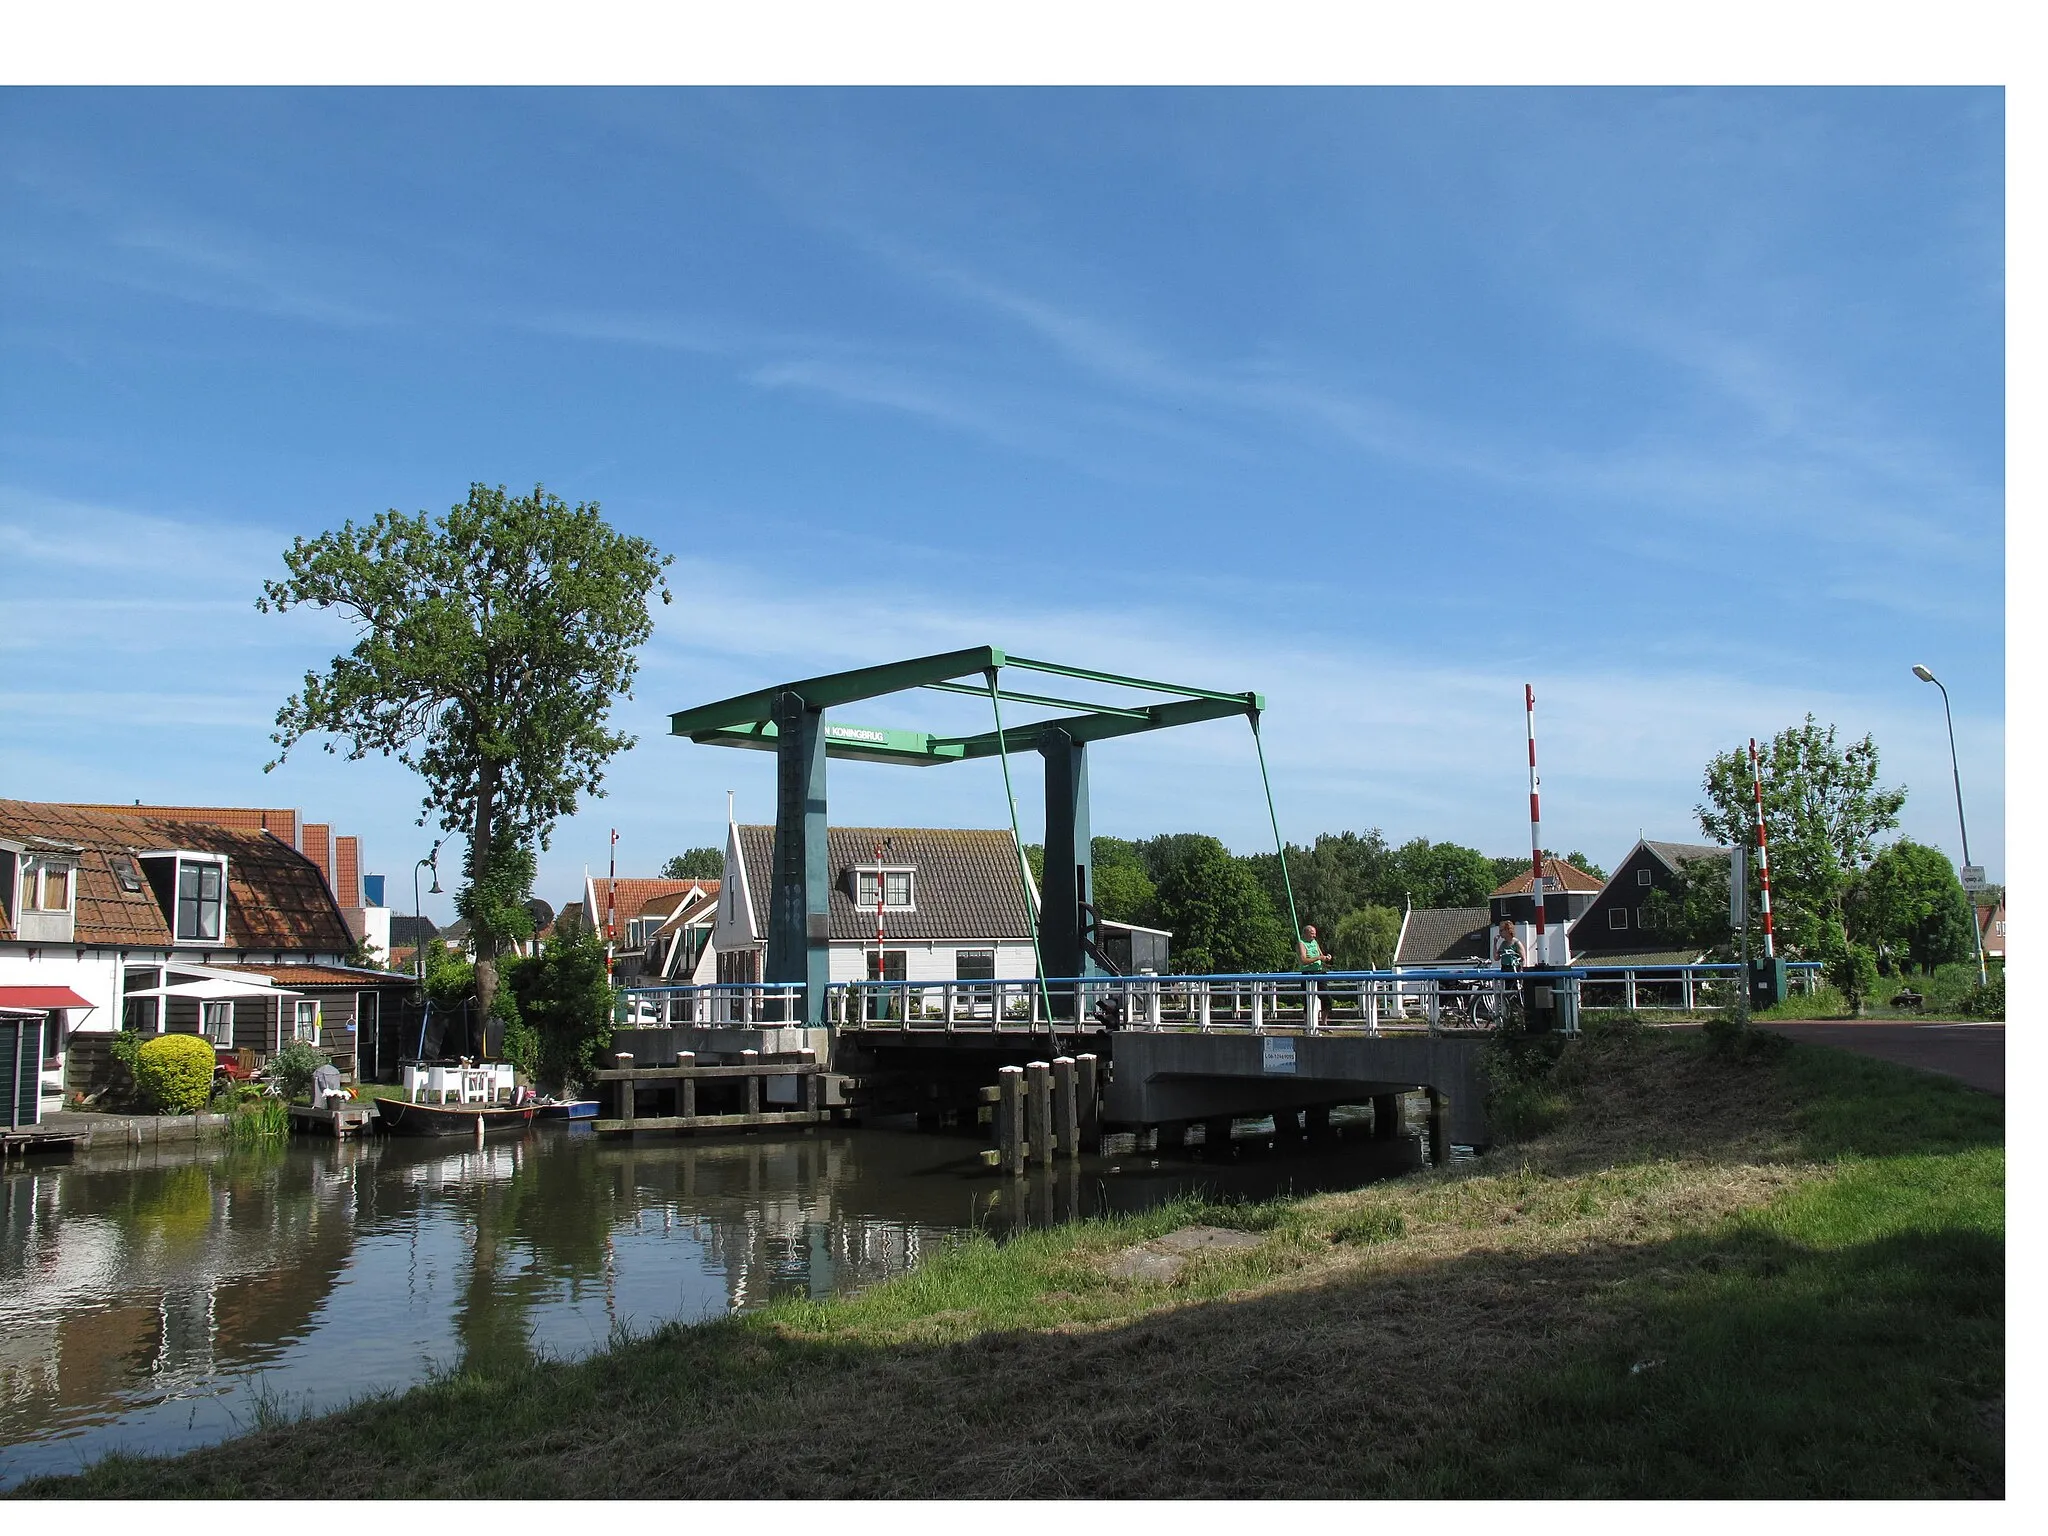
(789, 721)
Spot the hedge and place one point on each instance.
(175, 1074)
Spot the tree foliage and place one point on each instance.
(1695, 917)
(1220, 916)
(1823, 811)
(490, 646)
(1365, 939)
(695, 864)
(1910, 905)
(565, 998)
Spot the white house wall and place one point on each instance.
(931, 959)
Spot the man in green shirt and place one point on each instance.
(1312, 956)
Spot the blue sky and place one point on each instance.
(1685, 406)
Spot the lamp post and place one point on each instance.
(419, 944)
(1925, 676)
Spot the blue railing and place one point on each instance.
(1370, 1000)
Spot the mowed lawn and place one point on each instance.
(1773, 1276)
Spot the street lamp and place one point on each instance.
(1925, 676)
(433, 862)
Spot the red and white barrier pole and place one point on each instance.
(1535, 826)
(1763, 847)
(611, 907)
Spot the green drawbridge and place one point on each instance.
(789, 720)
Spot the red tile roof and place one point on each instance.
(276, 900)
(281, 824)
(1564, 877)
(633, 894)
(320, 975)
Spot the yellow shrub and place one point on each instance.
(175, 1073)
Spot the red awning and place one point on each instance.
(41, 997)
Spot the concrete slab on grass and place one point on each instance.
(1162, 1258)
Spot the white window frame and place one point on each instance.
(864, 894)
(217, 1023)
(1644, 877)
(179, 935)
(1617, 919)
(299, 1007)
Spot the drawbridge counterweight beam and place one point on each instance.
(789, 721)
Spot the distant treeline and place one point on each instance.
(1228, 912)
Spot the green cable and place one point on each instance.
(1017, 837)
(1267, 780)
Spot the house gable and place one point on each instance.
(969, 885)
(1613, 924)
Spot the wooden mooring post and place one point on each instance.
(1066, 1108)
(1088, 1087)
(1010, 1118)
(1439, 1128)
(1038, 1096)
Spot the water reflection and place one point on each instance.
(163, 1298)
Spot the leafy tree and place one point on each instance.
(696, 864)
(1696, 915)
(1910, 902)
(1823, 810)
(1124, 893)
(1221, 918)
(565, 997)
(1338, 873)
(1443, 874)
(490, 646)
(1853, 970)
(1365, 939)
(1579, 861)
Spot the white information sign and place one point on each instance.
(1279, 1053)
(1973, 877)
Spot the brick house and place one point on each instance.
(164, 925)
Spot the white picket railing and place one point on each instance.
(1367, 1001)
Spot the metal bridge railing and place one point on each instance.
(1343, 1001)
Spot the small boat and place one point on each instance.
(402, 1117)
(573, 1109)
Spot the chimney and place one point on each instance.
(348, 869)
(318, 845)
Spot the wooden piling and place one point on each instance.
(1216, 1135)
(1319, 1125)
(752, 1059)
(1439, 1128)
(1088, 1088)
(686, 1092)
(1010, 1118)
(1286, 1126)
(627, 1091)
(1066, 1108)
(1038, 1098)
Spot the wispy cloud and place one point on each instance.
(139, 243)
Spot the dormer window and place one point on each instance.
(202, 899)
(52, 892)
(894, 888)
(127, 874)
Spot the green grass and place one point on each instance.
(1772, 1277)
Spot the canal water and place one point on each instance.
(159, 1299)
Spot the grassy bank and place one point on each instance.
(1779, 1277)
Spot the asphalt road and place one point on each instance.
(1975, 1053)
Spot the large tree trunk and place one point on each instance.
(481, 935)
